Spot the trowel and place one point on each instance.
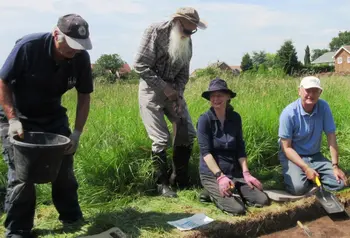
(305, 229)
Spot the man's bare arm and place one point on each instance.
(83, 108)
(6, 100)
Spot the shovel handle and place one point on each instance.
(317, 181)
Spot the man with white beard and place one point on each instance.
(162, 62)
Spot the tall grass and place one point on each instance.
(114, 154)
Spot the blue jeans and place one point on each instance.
(296, 181)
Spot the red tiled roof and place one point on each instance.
(125, 69)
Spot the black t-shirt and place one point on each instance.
(38, 81)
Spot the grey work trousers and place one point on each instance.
(295, 179)
(233, 205)
(153, 106)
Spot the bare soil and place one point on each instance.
(284, 223)
(322, 227)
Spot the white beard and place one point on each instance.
(179, 48)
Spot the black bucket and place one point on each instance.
(38, 156)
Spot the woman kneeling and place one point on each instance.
(223, 167)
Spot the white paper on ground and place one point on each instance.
(113, 232)
(189, 223)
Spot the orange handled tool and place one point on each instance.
(232, 189)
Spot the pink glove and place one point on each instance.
(225, 184)
(250, 180)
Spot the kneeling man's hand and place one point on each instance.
(311, 174)
(339, 175)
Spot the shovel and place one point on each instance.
(181, 132)
(181, 129)
(328, 200)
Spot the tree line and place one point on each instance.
(107, 67)
(286, 58)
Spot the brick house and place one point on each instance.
(235, 69)
(342, 60)
(221, 65)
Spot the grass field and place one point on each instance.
(113, 166)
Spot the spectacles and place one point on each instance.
(186, 31)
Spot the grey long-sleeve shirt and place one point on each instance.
(153, 62)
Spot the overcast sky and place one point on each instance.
(234, 27)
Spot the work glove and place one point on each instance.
(225, 186)
(170, 92)
(251, 181)
(74, 142)
(15, 128)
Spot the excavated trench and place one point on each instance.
(284, 224)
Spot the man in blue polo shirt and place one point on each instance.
(300, 131)
(39, 70)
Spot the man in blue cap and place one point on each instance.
(39, 70)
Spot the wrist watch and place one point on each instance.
(218, 174)
(335, 165)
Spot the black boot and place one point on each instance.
(181, 158)
(204, 196)
(160, 163)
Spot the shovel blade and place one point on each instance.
(329, 202)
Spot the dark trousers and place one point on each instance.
(20, 198)
(232, 204)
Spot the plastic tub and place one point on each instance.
(38, 156)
